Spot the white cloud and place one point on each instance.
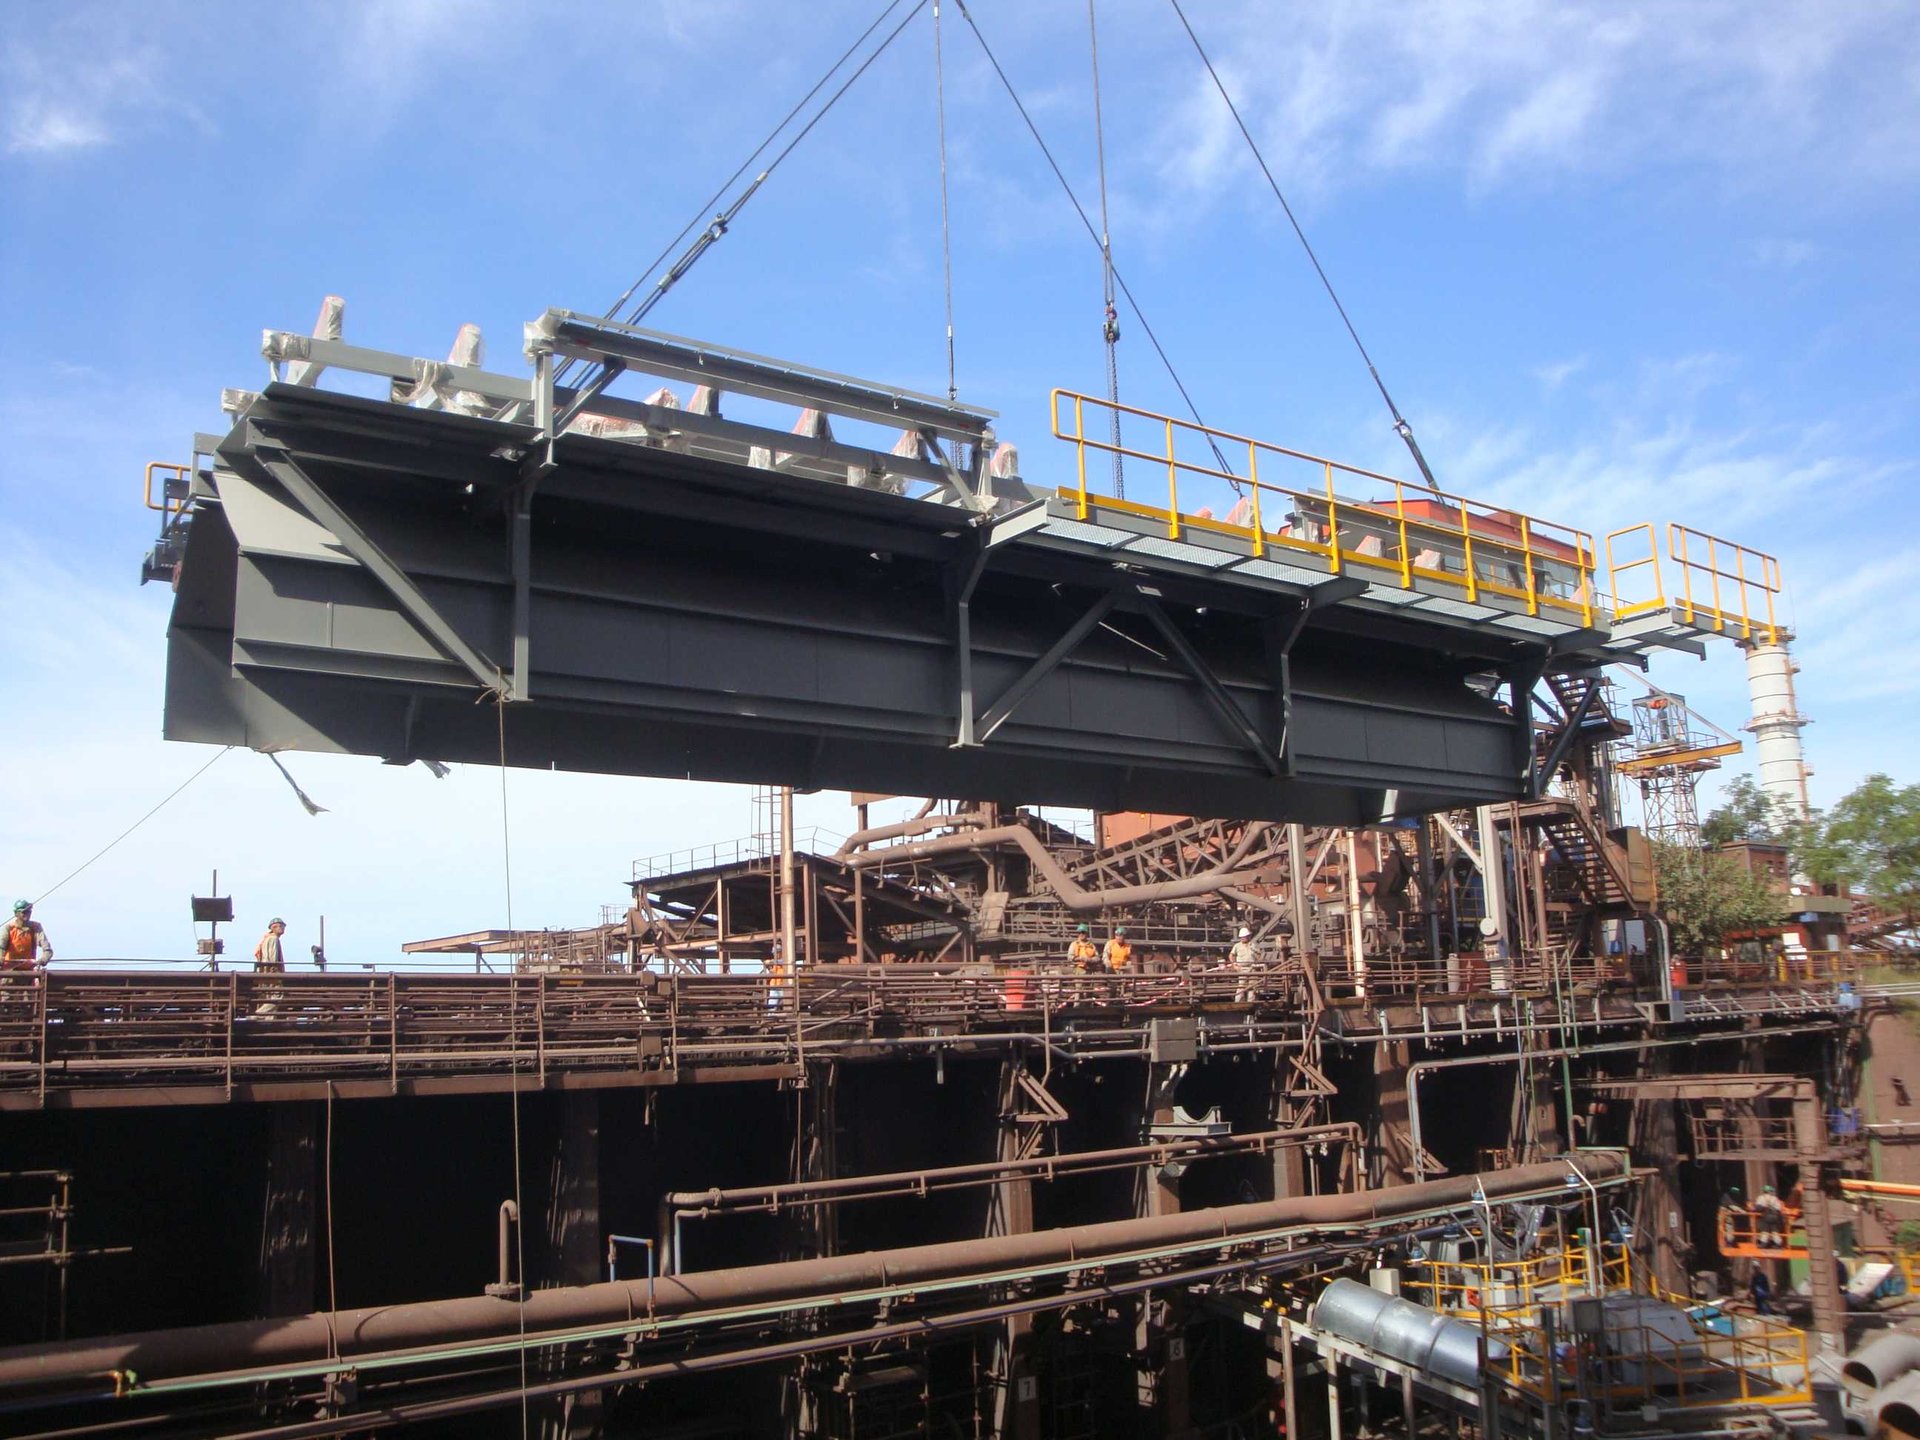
(88, 80)
(1507, 90)
(37, 127)
(1556, 373)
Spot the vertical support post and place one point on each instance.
(1493, 889)
(789, 929)
(1430, 903)
(1302, 914)
(1016, 1389)
(1356, 926)
(1823, 1278)
(1160, 1339)
(287, 1233)
(573, 1243)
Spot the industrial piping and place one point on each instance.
(350, 1334)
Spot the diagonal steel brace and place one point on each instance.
(1224, 705)
(278, 464)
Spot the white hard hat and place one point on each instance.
(1245, 934)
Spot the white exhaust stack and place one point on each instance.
(1776, 726)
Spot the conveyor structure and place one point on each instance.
(868, 598)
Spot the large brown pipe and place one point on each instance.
(1073, 895)
(162, 1354)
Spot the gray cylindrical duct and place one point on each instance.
(1401, 1330)
(1879, 1362)
(1897, 1408)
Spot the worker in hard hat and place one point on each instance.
(1119, 954)
(270, 955)
(1770, 1218)
(1082, 953)
(270, 958)
(24, 946)
(1244, 960)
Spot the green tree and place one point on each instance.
(1705, 896)
(1745, 812)
(1869, 840)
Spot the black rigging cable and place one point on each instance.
(946, 231)
(1080, 210)
(717, 227)
(1400, 425)
(131, 828)
(1110, 321)
(759, 150)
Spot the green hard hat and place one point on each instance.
(1120, 930)
(1083, 930)
(21, 906)
(276, 921)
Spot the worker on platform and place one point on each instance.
(1119, 954)
(1081, 953)
(270, 955)
(24, 946)
(1244, 960)
(1770, 1218)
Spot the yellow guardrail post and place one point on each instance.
(1740, 578)
(1080, 447)
(1173, 487)
(1466, 545)
(1253, 473)
(1406, 551)
(1333, 524)
(1526, 556)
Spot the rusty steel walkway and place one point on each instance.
(85, 1040)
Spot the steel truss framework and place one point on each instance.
(654, 588)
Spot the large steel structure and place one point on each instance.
(829, 1137)
(650, 586)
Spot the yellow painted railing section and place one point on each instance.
(163, 504)
(1761, 1363)
(1414, 534)
(1718, 585)
(1725, 586)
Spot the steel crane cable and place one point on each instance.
(946, 231)
(700, 215)
(1400, 425)
(1110, 318)
(1119, 279)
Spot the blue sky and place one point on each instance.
(1618, 263)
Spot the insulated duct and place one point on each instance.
(1440, 1345)
(1880, 1361)
(546, 1314)
(1896, 1409)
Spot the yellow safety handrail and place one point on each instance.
(1763, 1363)
(1740, 584)
(166, 506)
(1626, 607)
(1537, 563)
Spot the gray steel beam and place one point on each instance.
(568, 333)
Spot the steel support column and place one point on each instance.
(287, 1247)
